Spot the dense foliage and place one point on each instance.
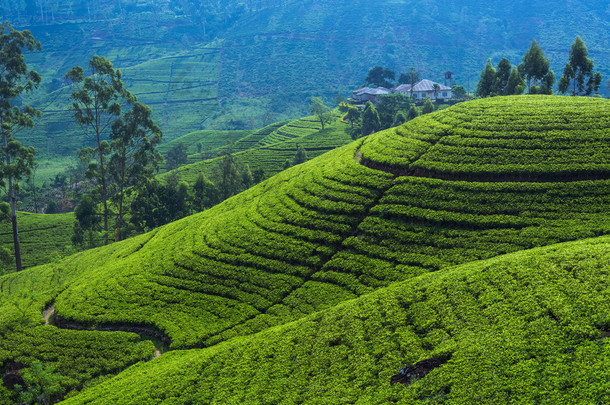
(524, 328)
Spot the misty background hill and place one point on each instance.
(246, 64)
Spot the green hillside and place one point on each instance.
(523, 328)
(270, 147)
(388, 208)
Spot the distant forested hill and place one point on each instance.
(246, 64)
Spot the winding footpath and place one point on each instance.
(48, 313)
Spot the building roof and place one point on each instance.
(428, 85)
(403, 88)
(373, 92)
(360, 91)
(422, 85)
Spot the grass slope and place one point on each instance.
(522, 328)
(343, 225)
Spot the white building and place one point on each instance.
(424, 89)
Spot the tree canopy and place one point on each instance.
(487, 83)
(578, 77)
(534, 68)
(380, 77)
(320, 110)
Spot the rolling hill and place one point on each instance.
(353, 254)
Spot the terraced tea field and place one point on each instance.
(378, 213)
(270, 147)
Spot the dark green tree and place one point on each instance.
(133, 157)
(428, 107)
(399, 119)
(515, 84)
(502, 77)
(87, 219)
(321, 111)
(157, 204)
(534, 66)
(380, 77)
(258, 175)
(578, 77)
(228, 176)
(16, 160)
(247, 179)
(97, 101)
(487, 83)
(353, 115)
(205, 193)
(413, 113)
(458, 91)
(147, 209)
(546, 84)
(388, 105)
(52, 207)
(176, 157)
(370, 119)
(300, 156)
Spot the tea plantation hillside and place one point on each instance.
(529, 327)
(269, 148)
(354, 220)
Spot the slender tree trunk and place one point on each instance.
(13, 202)
(121, 197)
(102, 175)
(104, 195)
(15, 229)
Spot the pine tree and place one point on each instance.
(487, 83)
(516, 83)
(502, 77)
(370, 119)
(577, 70)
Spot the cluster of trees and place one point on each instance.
(154, 203)
(390, 111)
(533, 74)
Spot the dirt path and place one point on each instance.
(50, 311)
